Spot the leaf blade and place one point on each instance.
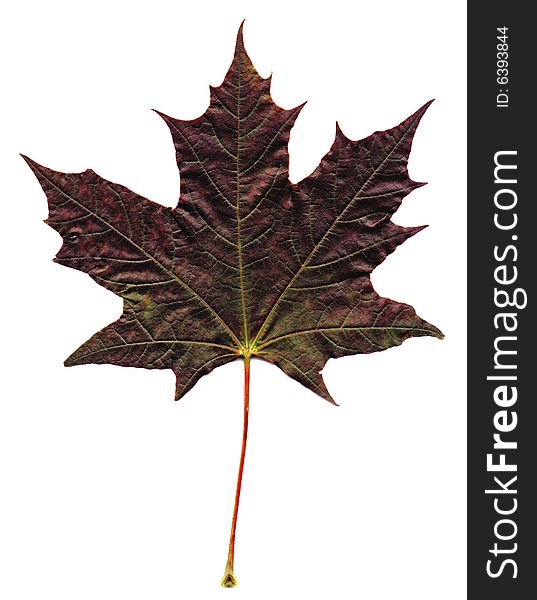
(247, 263)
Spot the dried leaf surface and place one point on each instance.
(247, 264)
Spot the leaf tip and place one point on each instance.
(413, 121)
(180, 391)
(421, 111)
(160, 114)
(438, 334)
(426, 106)
(239, 43)
(31, 163)
(433, 331)
(76, 357)
(325, 394)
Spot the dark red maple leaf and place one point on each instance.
(247, 264)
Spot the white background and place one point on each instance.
(109, 489)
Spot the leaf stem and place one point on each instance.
(229, 580)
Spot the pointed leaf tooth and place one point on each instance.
(310, 378)
(418, 184)
(340, 137)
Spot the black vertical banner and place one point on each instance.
(502, 256)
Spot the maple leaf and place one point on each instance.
(247, 264)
